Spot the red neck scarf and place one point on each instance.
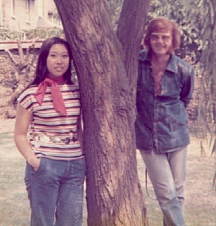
(58, 101)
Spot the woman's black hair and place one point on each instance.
(41, 69)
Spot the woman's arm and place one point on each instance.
(23, 118)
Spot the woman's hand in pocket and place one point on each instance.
(34, 162)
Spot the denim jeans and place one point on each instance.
(55, 192)
(167, 173)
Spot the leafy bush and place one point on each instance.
(41, 33)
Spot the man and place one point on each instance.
(164, 89)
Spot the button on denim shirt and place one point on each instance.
(161, 123)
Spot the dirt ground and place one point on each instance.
(200, 202)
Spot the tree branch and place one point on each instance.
(130, 32)
(11, 56)
(21, 54)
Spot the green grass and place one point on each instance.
(14, 206)
(200, 204)
(200, 197)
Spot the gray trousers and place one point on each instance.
(167, 173)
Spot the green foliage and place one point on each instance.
(114, 7)
(188, 16)
(196, 20)
(193, 17)
(10, 35)
(41, 33)
(208, 67)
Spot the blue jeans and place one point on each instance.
(167, 173)
(55, 192)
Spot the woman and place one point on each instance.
(50, 110)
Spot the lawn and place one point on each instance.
(200, 204)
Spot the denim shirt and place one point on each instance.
(161, 122)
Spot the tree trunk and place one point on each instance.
(106, 65)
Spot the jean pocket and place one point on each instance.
(39, 168)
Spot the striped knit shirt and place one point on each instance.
(51, 134)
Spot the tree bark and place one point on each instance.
(106, 65)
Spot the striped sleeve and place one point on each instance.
(26, 99)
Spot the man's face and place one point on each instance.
(161, 43)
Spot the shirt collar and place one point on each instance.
(172, 65)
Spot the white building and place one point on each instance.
(17, 15)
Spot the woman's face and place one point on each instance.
(57, 60)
